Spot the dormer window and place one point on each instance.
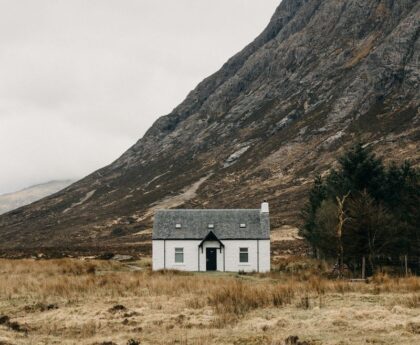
(177, 226)
(211, 226)
(242, 225)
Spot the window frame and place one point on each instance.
(243, 251)
(179, 252)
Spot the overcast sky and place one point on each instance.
(82, 80)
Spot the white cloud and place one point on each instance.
(81, 81)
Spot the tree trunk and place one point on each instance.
(341, 220)
(371, 263)
(363, 268)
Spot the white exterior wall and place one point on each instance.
(258, 255)
(157, 255)
(227, 260)
(265, 255)
(164, 255)
(232, 255)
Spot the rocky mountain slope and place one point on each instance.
(323, 74)
(11, 201)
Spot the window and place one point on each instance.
(243, 254)
(179, 255)
(211, 226)
(242, 225)
(177, 226)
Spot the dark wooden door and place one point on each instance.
(211, 259)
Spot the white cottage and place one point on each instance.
(212, 240)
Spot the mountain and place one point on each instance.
(323, 74)
(11, 201)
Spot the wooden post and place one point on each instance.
(406, 265)
(363, 268)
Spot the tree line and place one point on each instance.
(364, 208)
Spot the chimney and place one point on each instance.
(264, 207)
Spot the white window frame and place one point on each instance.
(242, 252)
(178, 226)
(211, 226)
(242, 225)
(179, 255)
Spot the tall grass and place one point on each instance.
(74, 279)
(237, 297)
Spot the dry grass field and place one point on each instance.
(100, 302)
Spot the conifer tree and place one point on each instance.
(381, 211)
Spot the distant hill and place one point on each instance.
(11, 201)
(323, 74)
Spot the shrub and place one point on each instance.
(133, 342)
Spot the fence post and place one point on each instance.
(363, 267)
(406, 265)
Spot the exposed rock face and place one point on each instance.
(322, 74)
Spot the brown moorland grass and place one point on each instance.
(73, 301)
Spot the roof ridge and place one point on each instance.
(206, 209)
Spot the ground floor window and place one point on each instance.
(179, 255)
(243, 254)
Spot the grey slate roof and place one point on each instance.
(194, 224)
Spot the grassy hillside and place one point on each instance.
(98, 302)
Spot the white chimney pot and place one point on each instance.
(264, 207)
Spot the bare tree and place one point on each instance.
(342, 218)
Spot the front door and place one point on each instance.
(211, 259)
